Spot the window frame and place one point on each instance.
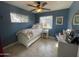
(47, 17)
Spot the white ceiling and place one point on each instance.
(53, 5)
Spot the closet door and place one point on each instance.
(1, 49)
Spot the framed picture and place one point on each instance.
(18, 18)
(76, 20)
(59, 20)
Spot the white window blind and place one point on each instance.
(46, 21)
(18, 18)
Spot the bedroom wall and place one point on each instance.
(55, 28)
(73, 9)
(7, 29)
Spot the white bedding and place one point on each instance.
(34, 31)
(24, 38)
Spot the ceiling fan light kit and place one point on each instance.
(39, 6)
(39, 10)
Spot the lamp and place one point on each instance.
(46, 26)
(39, 10)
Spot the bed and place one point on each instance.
(29, 36)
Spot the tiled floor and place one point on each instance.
(40, 48)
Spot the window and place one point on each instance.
(46, 21)
(18, 18)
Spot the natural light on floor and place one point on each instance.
(57, 45)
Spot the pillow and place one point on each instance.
(29, 34)
(36, 26)
(68, 31)
(69, 36)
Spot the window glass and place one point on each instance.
(18, 18)
(46, 21)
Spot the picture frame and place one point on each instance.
(18, 18)
(76, 20)
(59, 20)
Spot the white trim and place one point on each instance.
(78, 52)
(57, 19)
(74, 20)
(10, 45)
(47, 18)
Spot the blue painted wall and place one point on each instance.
(7, 29)
(73, 9)
(55, 28)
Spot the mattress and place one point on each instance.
(35, 32)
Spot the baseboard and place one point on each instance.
(10, 45)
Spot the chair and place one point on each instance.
(66, 49)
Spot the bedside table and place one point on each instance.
(45, 33)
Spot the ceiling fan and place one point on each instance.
(38, 6)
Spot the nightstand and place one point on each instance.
(45, 34)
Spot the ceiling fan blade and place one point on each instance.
(33, 10)
(45, 9)
(37, 2)
(44, 3)
(31, 5)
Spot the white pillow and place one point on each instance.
(29, 34)
(36, 26)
